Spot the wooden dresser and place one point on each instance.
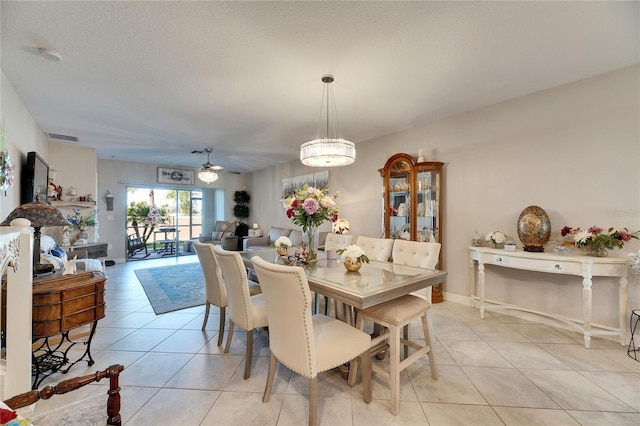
(64, 302)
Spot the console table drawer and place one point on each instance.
(540, 265)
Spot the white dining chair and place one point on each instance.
(396, 315)
(420, 255)
(376, 248)
(337, 241)
(305, 343)
(215, 291)
(245, 310)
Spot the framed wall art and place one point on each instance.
(317, 180)
(176, 176)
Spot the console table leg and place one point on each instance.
(586, 308)
(472, 282)
(481, 288)
(622, 307)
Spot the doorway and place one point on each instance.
(162, 221)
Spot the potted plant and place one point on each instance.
(241, 211)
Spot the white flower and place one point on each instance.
(498, 237)
(353, 251)
(636, 260)
(283, 241)
(582, 236)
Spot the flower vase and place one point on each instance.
(597, 250)
(352, 265)
(312, 255)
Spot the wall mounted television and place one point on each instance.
(35, 179)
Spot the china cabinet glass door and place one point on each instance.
(412, 203)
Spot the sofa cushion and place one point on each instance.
(225, 226)
(218, 236)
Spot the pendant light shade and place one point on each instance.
(332, 150)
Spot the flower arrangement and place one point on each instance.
(282, 245)
(154, 216)
(283, 242)
(6, 171)
(83, 222)
(596, 240)
(354, 252)
(495, 238)
(311, 206)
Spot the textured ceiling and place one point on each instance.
(152, 81)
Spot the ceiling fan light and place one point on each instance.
(207, 176)
(207, 172)
(328, 153)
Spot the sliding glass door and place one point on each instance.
(162, 222)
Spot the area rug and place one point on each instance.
(170, 288)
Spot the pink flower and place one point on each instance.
(310, 206)
(624, 236)
(595, 230)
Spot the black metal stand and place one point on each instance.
(48, 359)
(633, 350)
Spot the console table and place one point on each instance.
(585, 266)
(88, 251)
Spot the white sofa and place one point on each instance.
(275, 232)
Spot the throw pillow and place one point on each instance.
(58, 252)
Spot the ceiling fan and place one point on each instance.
(208, 172)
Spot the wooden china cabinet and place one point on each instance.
(413, 203)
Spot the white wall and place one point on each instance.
(23, 136)
(117, 175)
(573, 150)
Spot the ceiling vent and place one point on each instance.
(63, 137)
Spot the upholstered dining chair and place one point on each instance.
(245, 310)
(376, 248)
(418, 254)
(332, 243)
(337, 241)
(421, 255)
(305, 343)
(396, 315)
(215, 291)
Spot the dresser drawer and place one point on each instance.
(541, 265)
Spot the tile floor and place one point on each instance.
(497, 371)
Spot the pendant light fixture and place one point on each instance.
(207, 172)
(330, 151)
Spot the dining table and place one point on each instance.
(375, 282)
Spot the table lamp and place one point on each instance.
(39, 214)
